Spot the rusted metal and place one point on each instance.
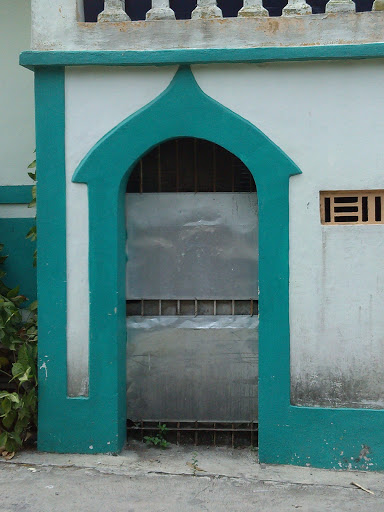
(198, 433)
(179, 307)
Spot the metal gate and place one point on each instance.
(192, 290)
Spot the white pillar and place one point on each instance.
(206, 9)
(252, 8)
(114, 12)
(296, 8)
(340, 6)
(160, 11)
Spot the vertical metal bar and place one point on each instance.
(142, 430)
(159, 167)
(196, 434)
(160, 307)
(142, 307)
(214, 434)
(233, 307)
(178, 433)
(251, 312)
(233, 435)
(215, 307)
(141, 175)
(233, 172)
(195, 163)
(177, 166)
(214, 167)
(178, 307)
(195, 307)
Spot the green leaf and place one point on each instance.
(13, 397)
(33, 306)
(25, 376)
(17, 369)
(9, 419)
(23, 356)
(11, 445)
(6, 406)
(32, 165)
(3, 439)
(13, 293)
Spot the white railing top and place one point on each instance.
(61, 26)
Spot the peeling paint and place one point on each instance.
(44, 367)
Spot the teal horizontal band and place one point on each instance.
(32, 59)
(21, 194)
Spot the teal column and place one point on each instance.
(85, 424)
(51, 244)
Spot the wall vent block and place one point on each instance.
(352, 207)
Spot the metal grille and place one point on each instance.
(199, 433)
(192, 307)
(190, 165)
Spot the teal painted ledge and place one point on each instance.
(19, 194)
(31, 59)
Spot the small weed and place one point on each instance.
(194, 463)
(159, 439)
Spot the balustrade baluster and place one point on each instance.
(160, 11)
(252, 8)
(340, 6)
(296, 7)
(113, 12)
(206, 9)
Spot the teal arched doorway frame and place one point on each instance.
(328, 438)
(182, 110)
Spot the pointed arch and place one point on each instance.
(183, 110)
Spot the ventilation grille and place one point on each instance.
(352, 207)
(193, 307)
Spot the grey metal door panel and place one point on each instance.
(202, 245)
(192, 246)
(203, 368)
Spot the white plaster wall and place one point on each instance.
(328, 117)
(96, 100)
(16, 211)
(17, 128)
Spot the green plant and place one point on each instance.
(18, 363)
(159, 439)
(32, 233)
(194, 464)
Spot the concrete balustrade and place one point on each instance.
(114, 11)
(297, 8)
(340, 6)
(160, 11)
(252, 8)
(206, 9)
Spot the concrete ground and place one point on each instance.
(148, 479)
